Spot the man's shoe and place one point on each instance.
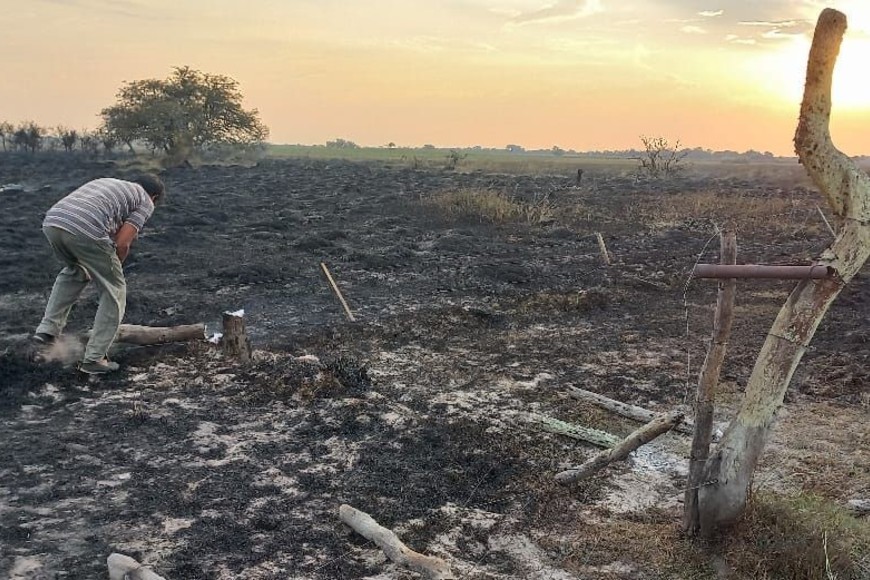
(44, 339)
(100, 367)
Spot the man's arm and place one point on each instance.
(123, 239)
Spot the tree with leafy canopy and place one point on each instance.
(188, 111)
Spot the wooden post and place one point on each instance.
(363, 524)
(235, 342)
(337, 292)
(707, 382)
(658, 426)
(605, 257)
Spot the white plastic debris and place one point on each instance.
(216, 337)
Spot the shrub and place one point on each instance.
(492, 207)
(799, 537)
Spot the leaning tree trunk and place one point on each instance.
(729, 470)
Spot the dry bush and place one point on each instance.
(799, 537)
(741, 211)
(648, 545)
(491, 207)
(784, 175)
(578, 301)
(780, 538)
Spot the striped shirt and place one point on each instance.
(100, 207)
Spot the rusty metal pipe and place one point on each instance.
(814, 272)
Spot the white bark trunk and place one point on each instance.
(728, 472)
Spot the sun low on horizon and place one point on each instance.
(578, 74)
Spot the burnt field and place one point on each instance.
(468, 319)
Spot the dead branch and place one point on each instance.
(624, 409)
(337, 292)
(605, 256)
(587, 434)
(363, 524)
(843, 183)
(658, 426)
(123, 567)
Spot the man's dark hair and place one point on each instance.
(152, 186)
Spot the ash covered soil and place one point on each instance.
(417, 413)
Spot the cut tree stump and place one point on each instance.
(363, 524)
(624, 409)
(235, 342)
(123, 567)
(658, 426)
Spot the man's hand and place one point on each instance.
(123, 239)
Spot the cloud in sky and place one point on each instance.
(559, 11)
(692, 29)
(440, 71)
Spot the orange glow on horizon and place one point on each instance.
(587, 75)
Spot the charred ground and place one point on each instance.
(414, 414)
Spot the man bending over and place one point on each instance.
(90, 232)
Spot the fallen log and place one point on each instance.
(658, 426)
(859, 507)
(153, 335)
(587, 434)
(625, 409)
(148, 335)
(123, 567)
(363, 524)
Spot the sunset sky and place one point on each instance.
(580, 74)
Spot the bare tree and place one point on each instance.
(28, 137)
(7, 131)
(68, 137)
(660, 158)
(728, 472)
(89, 142)
(107, 139)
